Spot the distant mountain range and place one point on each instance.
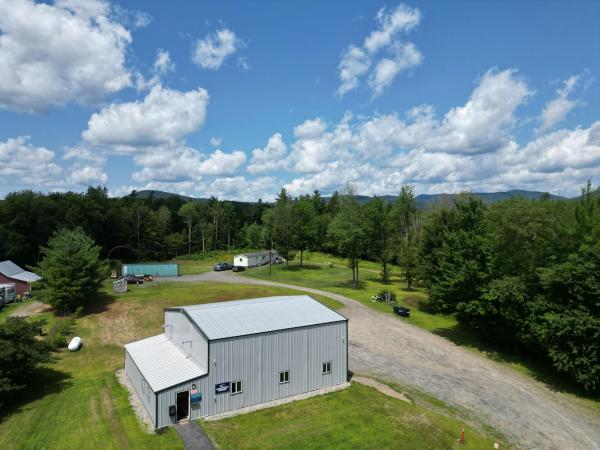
(424, 201)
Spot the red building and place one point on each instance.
(11, 273)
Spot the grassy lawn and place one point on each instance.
(338, 279)
(76, 402)
(203, 262)
(358, 417)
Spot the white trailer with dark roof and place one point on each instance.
(254, 259)
(221, 357)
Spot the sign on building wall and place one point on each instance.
(222, 387)
(195, 396)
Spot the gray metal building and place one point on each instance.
(219, 357)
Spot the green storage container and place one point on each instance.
(156, 270)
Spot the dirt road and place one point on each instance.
(526, 411)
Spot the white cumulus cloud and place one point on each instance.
(356, 61)
(53, 54)
(178, 162)
(211, 52)
(21, 162)
(406, 56)
(556, 110)
(165, 115)
(269, 158)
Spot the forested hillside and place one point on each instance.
(523, 273)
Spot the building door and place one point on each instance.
(183, 405)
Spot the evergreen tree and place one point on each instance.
(70, 269)
(21, 351)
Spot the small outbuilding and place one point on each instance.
(226, 356)
(254, 259)
(22, 279)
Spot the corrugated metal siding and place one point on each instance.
(148, 398)
(179, 330)
(257, 360)
(259, 315)
(156, 270)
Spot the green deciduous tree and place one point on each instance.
(456, 254)
(405, 231)
(283, 223)
(304, 224)
(346, 230)
(70, 269)
(190, 213)
(378, 229)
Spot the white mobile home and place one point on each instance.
(253, 259)
(220, 357)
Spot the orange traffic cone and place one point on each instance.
(462, 436)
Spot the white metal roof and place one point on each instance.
(162, 364)
(11, 270)
(259, 315)
(265, 253)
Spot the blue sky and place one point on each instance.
(238, 100)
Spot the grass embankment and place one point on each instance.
(76, 402)
(358, 417)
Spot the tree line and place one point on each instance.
(522, 274)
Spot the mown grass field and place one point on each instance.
(332, 274)
(356, 418)
(200, 263)
(76, 402)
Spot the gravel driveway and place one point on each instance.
(525, 410)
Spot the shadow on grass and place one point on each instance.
(98, 304)
(420, 303)
(44, 381)
(537, 367)
(360, 285)
(299, 268)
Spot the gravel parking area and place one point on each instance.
(382, 346)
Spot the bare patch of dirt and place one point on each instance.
(30, 309)
(117, 324)
(383, 388)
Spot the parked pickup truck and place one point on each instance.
(222, 266)
(401, 311)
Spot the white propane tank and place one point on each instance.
(75, 344)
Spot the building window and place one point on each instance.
(326, 367)
(284, 377)
(236, 387)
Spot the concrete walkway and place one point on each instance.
(530, 413)
(193, 436)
